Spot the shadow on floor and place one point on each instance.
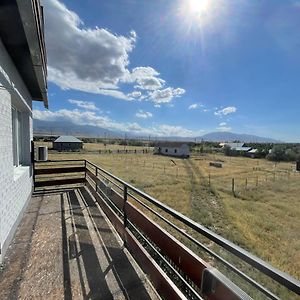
(86, 214)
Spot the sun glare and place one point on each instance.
(198, 6)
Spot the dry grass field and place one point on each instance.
(266, 211)
(262, 215)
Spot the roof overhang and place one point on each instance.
(22, 33)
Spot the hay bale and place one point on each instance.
(215, 164)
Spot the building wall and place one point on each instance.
(175, 151)
(15, 182)
(66, 146)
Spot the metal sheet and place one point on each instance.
(166, 288)
(183, 257)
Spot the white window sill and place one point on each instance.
(19, 171)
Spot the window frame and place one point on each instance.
(17, 133)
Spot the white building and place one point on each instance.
(178, 149)
(22, 79)
(67, 143)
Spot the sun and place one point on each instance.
(198, 6)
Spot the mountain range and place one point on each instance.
(68, 128)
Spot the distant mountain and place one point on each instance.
(230, 137)
(68, 128)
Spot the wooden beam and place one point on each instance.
(59, 170)
(59, 182)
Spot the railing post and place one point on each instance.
(85, 170)
(124, 212)
(96, 185)
(124, 205)
(33, 163)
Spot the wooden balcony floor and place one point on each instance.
(65, 248)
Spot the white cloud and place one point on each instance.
(134, 94)
(89, 59)
(166, 95)
(146, 77)
(157, 105)
(225, 111)
(93, 60)
(223, 128)
(144, 114)
(196, 105)
(91, 118)
(84, 104)
(193, 106)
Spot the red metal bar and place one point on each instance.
(182, 256)
(162, 283)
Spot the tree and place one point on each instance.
(283, 153)
(290, 155)
(227, 150)
(277, 153)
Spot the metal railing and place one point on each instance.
(129, 210)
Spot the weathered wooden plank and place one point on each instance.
(59, 170)
(58, 182)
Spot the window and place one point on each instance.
(175, 150)
(16, 137)
(166, 150)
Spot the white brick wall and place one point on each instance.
(15, 183)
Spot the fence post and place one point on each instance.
(232, 186)
(246, 183)
(209, 179)
(256, 180)
(177, 172)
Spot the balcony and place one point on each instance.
(89, 234)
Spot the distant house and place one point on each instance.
(253, 153)
(178, 149)
(242, 149)
(232, 146)
(239, 147)
(67, 143)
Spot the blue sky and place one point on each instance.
(185, 67)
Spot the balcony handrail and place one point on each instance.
(272, 272)
(281, 277)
